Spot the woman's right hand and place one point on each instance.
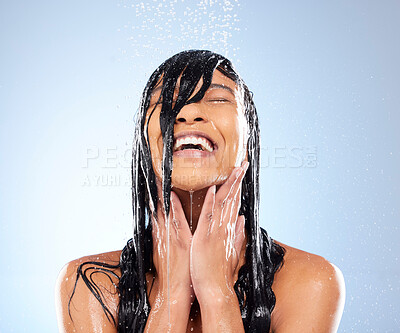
(179, 250)
(173, 296)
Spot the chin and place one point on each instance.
(195, 180)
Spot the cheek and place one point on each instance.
(243, 131)
(234, 131)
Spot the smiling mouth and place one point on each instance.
(193, 142)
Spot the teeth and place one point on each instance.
(193, 140)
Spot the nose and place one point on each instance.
(190, 114)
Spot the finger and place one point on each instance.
(178, 217)
(204, 226)
(231, 185)
(231, 209)
(229, 222)
(239, 234)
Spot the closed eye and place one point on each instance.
(220, 94)
(219, 100)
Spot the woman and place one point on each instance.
(198, 261)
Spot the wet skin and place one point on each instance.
(219, 116)
(309, 290)
(203, 266)
(309, 296)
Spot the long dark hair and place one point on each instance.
(263, 256)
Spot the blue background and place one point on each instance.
(325, 78)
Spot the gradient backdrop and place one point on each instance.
(325, 78)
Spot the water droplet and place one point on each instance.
(191, 211)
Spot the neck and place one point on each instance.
(192, 203)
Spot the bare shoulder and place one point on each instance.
(76, 305)
(309, 292)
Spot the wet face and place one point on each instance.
(209, 136)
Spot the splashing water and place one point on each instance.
(158, 26)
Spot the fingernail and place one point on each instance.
(245, 165)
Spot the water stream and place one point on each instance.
(191, 211)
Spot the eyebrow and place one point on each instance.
(212, 86)
(221, 86)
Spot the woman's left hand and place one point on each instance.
(218, 239)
